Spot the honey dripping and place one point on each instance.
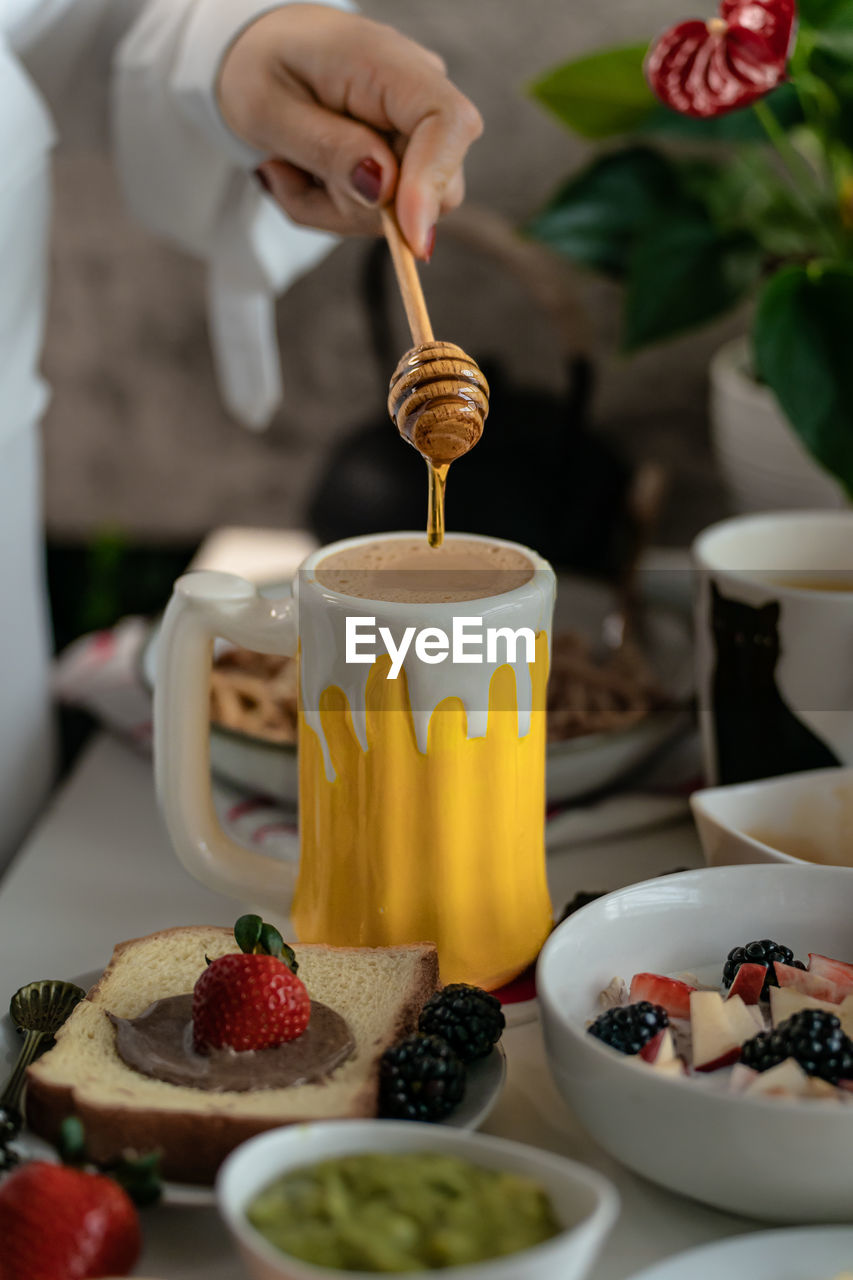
(438, 399)
(435, 502)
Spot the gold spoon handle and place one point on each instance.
(10, 1098)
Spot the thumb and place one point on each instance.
(431, 168)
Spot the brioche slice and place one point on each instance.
(379, 991)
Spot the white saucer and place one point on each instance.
(484, 1084)
(803, 1253)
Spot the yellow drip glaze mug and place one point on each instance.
(421, 797)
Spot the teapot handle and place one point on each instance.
(205, 605)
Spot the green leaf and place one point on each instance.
(683, 273)
(140, 1176)
(255, 937)
(734, 126)
(837, 73)
(802, 350)
(595, 218)
(748, 194)
(600, 95)
(72, 1141)
(825, 13)
(247, 932)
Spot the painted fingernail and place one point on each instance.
(429, 246)
(366, 178)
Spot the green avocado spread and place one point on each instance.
(401, 1212)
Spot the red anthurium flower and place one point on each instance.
(707, 68)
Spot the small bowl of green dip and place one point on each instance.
(367, 1197)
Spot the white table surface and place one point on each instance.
(99, 869)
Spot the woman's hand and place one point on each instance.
(331, 97)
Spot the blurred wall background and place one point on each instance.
(135, 436)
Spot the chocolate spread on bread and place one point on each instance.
(159, 1043)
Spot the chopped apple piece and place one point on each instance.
(786, 1001)
(675, 1067)
(672, 994)
(614, 994)
(741, 1019)
(741, 1078)
(811, 984)
(716, 1043)
(786, 1079)
(822, 1089)
(748, 982)
(660, 1049)
(837, 971)
(845, 1013)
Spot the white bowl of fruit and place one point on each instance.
(700, 1026)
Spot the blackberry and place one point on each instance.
(813, 1037)
(468, 1018)
(765, 952)
(420, 1078)
(630, 1026)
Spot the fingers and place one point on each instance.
(454, 192)
(354, 164)
(431, 178)
(307, 202)
(398, 86)
(323, 90)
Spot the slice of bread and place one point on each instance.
(379, 992)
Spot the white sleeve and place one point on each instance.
(187, 177)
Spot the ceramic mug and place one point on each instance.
(421, 793)
(774, 644)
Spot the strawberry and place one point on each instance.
(58, 1223)
(809, 982)
(837, 971)
(248, 1001)
(672, 994)
(749, 983)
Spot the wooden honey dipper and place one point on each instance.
(438, 398)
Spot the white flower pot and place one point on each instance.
(763, 464)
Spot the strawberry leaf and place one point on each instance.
(247, 932)
(255, 937)
(72, 1142)
(139, 1176)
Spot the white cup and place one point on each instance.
(774, 644)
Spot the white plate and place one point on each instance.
(484, 1085)
(805, 1253)
(578, 767)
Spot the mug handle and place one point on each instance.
(205, 605)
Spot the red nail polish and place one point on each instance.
(366, 178)
(429, 247)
